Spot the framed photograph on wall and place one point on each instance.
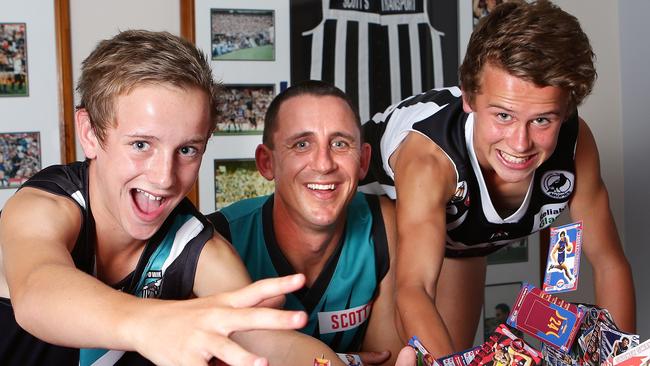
(513, 253)
(242, 34)
(379, 52)
(248, 70)
(13, 60)
(243, 109)
(237, 179)
(20, 157)
(499, 299)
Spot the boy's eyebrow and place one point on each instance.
(551, 112)
(193, 140)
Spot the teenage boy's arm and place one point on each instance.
(425, 180)
(220, 269)
(590, 203)
(37, 232)
(382, 334)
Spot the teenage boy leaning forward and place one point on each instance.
(475, 169)
(79, 240)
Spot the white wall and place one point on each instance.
(40, 110)
(635, 84)
(95, 20)
(602, 111)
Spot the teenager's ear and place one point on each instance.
(264, 161)
(467, 105)
(86, 134)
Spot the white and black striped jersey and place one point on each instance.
(166, 269)
(377, 51)
(474, 228)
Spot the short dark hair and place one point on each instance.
(503, 307)
(536, 42)
(309, 87)
(134, 58)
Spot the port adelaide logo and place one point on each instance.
(557, 184)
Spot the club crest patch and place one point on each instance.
(558, 184)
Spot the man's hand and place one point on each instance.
(192, 332)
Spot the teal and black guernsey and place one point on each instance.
(165, 270)
(340, 300)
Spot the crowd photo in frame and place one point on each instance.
(13, 60)
(243, 109)
(20, 157)
(237, 179)
(242, 34)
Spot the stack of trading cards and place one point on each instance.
(613, 342)
(637, 356)
(600, 339)
(423, 356)
(546, 317)
(459, 359)
(563, 264)
(554, 357)
(505, 348)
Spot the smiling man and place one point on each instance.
(109, 256)
(318, 225)
(474, 170)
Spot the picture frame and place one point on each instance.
(228, 67)
(14, 79)
(48, 107)
(242, 34)
(243, 108)
(499, 299)
(196, 25)
(237, 179)
(376, 52)
(20, 157)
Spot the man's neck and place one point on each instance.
(306, 249)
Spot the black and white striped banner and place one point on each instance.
(378, 51)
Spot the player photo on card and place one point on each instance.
(563, 264)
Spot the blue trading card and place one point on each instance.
(563, 264)
(614, 342)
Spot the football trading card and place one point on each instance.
(503, 348)
(595, 314)
(634, 357)
(350, 359)
(322, 361)
(424, 357)
(459, 359)
(546, 317)
(589, 342)
(614, 342)
(555, 357)
(563, 264)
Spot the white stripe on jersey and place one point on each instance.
(188, 231)
(365, 19)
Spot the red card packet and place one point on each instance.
(546, 317)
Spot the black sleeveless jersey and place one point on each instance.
(176, 281)
(474, 228)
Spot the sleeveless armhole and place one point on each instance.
(220, 224)
(382, 260)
